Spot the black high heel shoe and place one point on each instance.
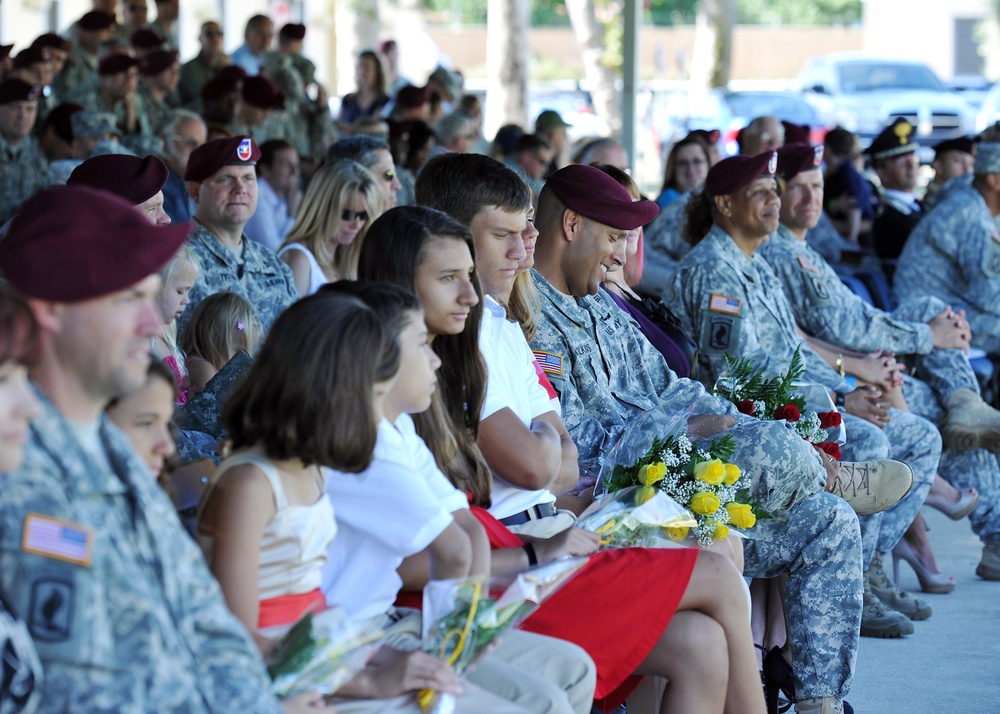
(777, 678)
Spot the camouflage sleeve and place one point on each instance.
(979, 256)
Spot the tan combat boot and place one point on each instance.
(989, 566)
(971, 423)
(885, 590)
(871, 486)
(825, 705)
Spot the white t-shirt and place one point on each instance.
(393, 509)
(512, 383)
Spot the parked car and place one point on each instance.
(865, 94)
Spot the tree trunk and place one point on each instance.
(713, 40)
(357, 28)
(601, 78)
(507, 27)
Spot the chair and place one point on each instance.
(856, 286)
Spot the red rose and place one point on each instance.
(832, 448)
(829, 419)
(789, 412)
(745, 407)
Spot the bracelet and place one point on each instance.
(840, 364)
(530, 550)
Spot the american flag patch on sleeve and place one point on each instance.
(807, 264)
(724, 303)
(550, 363)
(55, 538)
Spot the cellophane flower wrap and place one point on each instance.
(805, 405)
(462, 617)
(637, 517)
(655, 455)
(321, 652)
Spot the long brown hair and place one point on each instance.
(396, 244)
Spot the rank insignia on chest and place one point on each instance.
(724, 304)
(549, 362)
(57, 539)
(807, 264)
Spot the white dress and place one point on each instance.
(316, 277)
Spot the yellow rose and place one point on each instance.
(704, 503)
(721, 531)
(732, 474)
(643, 494)
(676, 534)
(652, 473)
(711, 472)
(741, 515)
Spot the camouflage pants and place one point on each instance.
(977, 469)
(819, 548)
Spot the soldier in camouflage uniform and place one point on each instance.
(260, 111)
(664, 246)
(118, 93)
(160, 72)
(954, 256)
(732, 300)
(78, 78)
(221, 180)
(607, 374)
(116, 596)
(23, 168)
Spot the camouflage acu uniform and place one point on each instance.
(664, 246)
(736, 305)
(121, 607)
(261, 277)
(954, 255)
(607, 374)
(78, 79)
(158, 112)
(23, 170)
(94, 101)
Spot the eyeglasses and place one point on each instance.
(348, 216)
(138, 8)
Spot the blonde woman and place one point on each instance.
(342, 200)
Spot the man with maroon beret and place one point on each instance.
(257, 108)
(222, 182)
(608, 375)
(118, 93)
(161, 73)
(23, 168)
(79, 77)
(138, 181)
(117, 598)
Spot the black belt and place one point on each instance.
(542, 510)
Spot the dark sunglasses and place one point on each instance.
(212, 33)
(138, 8)
(348, 216)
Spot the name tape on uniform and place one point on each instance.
(724, 303)
(58, 539)
(549, 362)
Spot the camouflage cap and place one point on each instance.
(987, 158)
(91, 125)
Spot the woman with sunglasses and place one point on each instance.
(322, 246)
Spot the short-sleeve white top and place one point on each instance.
(512, 383)
(393, 509)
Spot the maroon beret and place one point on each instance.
(5, 51)
(61, 120)
(113, 64)
(208, 158)
(28, 57)
(796, 133)
(17, 90)
(158, 61)
(134, 179)
(292, 31)
(96, 20)
(732, 174)
(146, 40)
(73, 243)
(231, 73)
(595, 195)
(962, 144)
(410, 97)
(795, 158)
(260, 92)
(217, 88)
(709, 136)
(51, 39)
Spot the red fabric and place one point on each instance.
(286, 609)
(616, 608)
(543, 379)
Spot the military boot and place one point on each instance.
(877, 620)
(971, 423)
(886, 591)
(989, 566)
(872, 486)
(824, 705)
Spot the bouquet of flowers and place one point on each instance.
(463, 617)
(637, 516)
(320, 653)
(806, 406)
(698, 477)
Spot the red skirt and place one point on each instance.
(287, 609)
(616, 608)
